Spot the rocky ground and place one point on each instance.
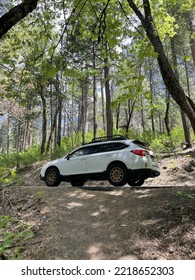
(156, 221)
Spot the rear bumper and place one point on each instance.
(143, 173)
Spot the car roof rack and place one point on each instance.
(108, 138)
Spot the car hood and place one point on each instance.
(55, 162)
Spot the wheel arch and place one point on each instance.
(53, 166)
(116, 162)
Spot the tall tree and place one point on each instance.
(170, 79)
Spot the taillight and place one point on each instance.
(141, 153)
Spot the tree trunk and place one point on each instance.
(129, 114)
(59, 131)
(117, 116)
(95, 125)
(8, 20)
(84, 109)
(142, 113)
(44, 123)
(166, 119)
(53, 127)
(103, 107)
(109, 119)
(168, 75)
(186, 128)
(152, 102)
(8, 128)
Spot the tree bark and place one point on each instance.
(152, 100)
(95, 125)
(53, 127)
(44, 123)
(11, 18)
(168, 75)
(166, 119)
(103, 107)
(59, 132)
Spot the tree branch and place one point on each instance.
(133, 6)
(11, 18)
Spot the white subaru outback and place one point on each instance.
(113, 158)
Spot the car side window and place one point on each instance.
(93, 150)
(80, 152)
(105, 148)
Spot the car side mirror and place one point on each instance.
(68, 157)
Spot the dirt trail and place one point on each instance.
(106, 223)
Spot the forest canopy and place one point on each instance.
(79, 69)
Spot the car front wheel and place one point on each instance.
(117, 175)
(52, 177)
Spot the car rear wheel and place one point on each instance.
(117, 174)
(135, 182)
(52, 177)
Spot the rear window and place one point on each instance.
(119, 146)
(140, 144)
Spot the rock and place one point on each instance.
(189, 168)
(192, 162)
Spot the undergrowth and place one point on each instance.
(13, 237)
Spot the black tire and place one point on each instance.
(136, 182)
(117, 174)
(77, 183)
(52, 177)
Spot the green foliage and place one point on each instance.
(7, 176)
(13, 161)
(164, 143)
(22, 159)
(13, 235)
(184, 194)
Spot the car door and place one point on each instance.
(99, 158)
(75, 163)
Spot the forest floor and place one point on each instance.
(98, 221)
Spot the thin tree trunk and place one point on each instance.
(44, 123)
(84, 106)
(142, 113)
(129, 114)
(166, 119)
(53, 127)
(103, 107)
(8, 138)
(118, 116)
(152, 103)
(109, 119)
(95, 125)
(59, 130)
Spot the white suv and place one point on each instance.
(112, 158)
